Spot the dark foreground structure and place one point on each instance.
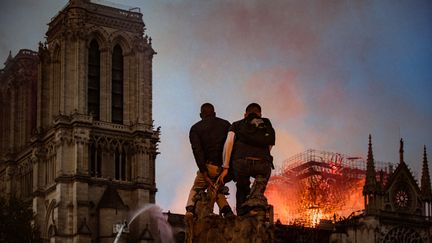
(396, 209)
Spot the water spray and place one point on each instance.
(155, 213)
(123, 226)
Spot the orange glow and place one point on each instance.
(310, 190)
(306, 202)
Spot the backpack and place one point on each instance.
(256, 131)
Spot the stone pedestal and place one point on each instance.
(204, 226)
(247, 229)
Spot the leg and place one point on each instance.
(199, 184)
(224, 208)
(261, 171)
(241, 176)
(221, 201)
(243, 190)
(257, 197)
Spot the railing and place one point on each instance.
(129, 10)
(123, 128)
(27, 52)
(76, 117)
(108, 125)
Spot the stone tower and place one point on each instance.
(92, 152)
(18, 96)
(425, 188)
(371, 188)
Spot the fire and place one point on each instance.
(307, 203)
(319, 186)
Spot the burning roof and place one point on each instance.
(317, 185)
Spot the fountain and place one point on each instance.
(155, 213)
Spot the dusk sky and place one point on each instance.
(327, 73)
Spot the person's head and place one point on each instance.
(207, 110)
(253, 108)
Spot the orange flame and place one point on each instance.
(308, 201)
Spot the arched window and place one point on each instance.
(93, 88)
(95, 161)
(117, 85)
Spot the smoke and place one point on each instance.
(327, 73)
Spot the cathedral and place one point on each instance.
(76, 128)
(396, 208)
(77, 140)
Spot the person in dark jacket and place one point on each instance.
(207, 138)
(248, 146)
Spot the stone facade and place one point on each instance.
(397, 209)
(77, 135)
(18, 84)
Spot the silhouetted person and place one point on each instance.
(207, 138)
(248, 146)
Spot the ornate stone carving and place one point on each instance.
(81, 135)
(402, 235)
(38, 153)
(63, 136)
(43, 52)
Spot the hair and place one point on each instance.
(253, 108)
(207, 110)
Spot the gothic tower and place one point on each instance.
(371, 189)
(426, 186)
(18, 96)
(95, 148)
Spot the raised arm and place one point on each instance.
(229, 143)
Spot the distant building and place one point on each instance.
(76, 128)
(398, 210)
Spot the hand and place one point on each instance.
(208, 180)
(222, 176)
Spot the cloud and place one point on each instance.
(286, 145)
(327, 73)
(279, 93)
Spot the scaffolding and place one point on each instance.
(313, 162)
(316, 185)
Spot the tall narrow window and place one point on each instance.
(28, 183)
(95, 161)
(93, 99)
(92, 167)
(120, 165)
(123, 165)
(117, 85)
